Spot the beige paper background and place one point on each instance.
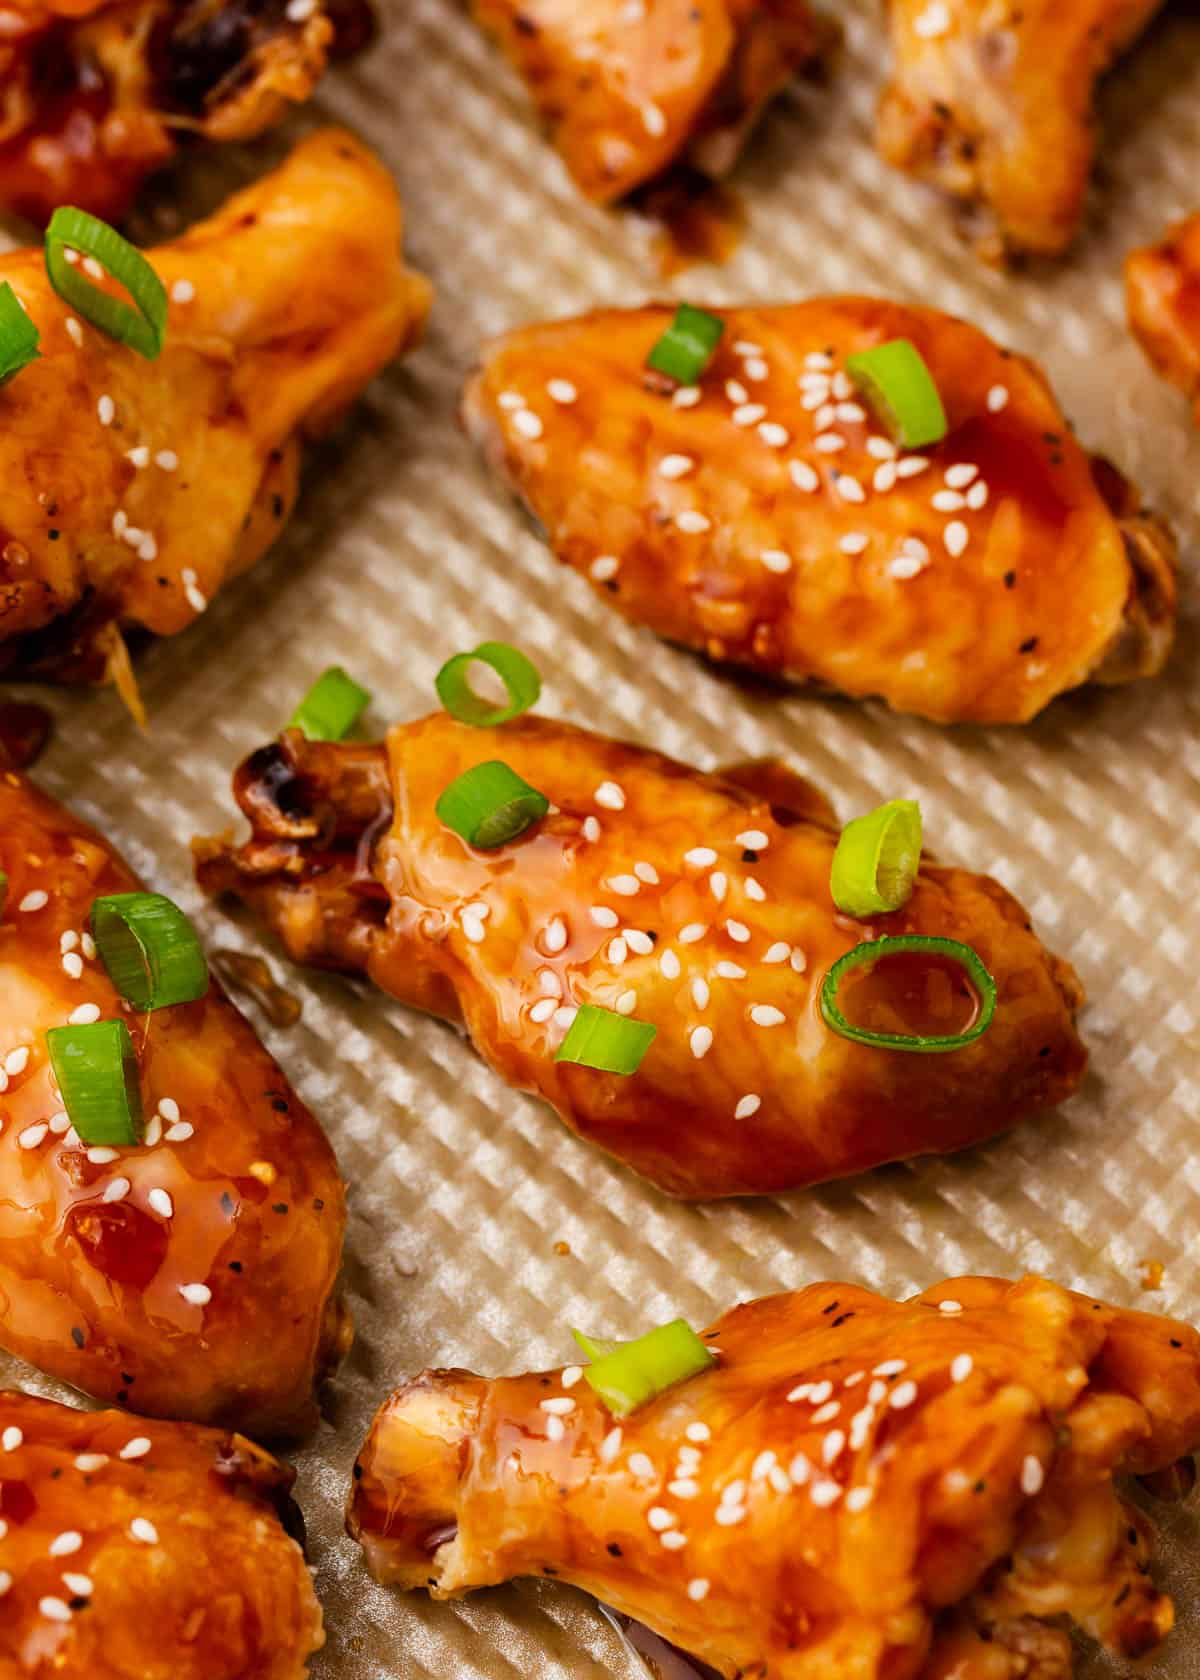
(403, 551)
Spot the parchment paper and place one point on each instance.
(479, 1228)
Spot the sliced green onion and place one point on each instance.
(150, 949)
(876, 860)
(490, 805)
(896, 381)
(594, 1348)
(518, 675)
(875, 949)
(19, 338)
(332, 706)
(599, 1038)
(635, 1372)
(143, 328)
(97, 1073)
(686, 348)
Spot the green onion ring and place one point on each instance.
(150, 949)
(331, 708)
(876, 861)
(688, 345)
(637, 1372)
(871, 951)
(489, 805)
(97, 1072)
(518, 674)
(143, 328)
(896, 381)
(19, 338)
(600, 1038)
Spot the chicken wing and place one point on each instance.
(1162, 284)
(992, 100)
(856, 1486)
(191, 1275)
(130, 490)
(629, 88)
(95, 94)
(151, 1552)
(688, 901)
(767, 520)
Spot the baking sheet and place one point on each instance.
(479, 1228)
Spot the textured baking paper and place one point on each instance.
(403, 550)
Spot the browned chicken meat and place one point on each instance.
(191, 1274)
(763, 515)
(992, 100)
(132, 490)
(630, 88)
(699, 904)
(132, 1550)
(898, 1491)
(1163, 292)
(95, 94)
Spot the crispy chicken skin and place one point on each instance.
(628, 91)
(131, 491)
(133, 1551)
(690, 901)
(859, 1486)
(771, 523)
(992, 100)
(95, 94)
(235, 1187)
(1162, 284)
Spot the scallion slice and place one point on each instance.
(142, 328)
(150, 949)
(490, 805)
(876, 860)
(518, 675)
(686, 348)
(875, 949)
(332, 706)
(600, 1038)
(97, 1073)
(593, 1347)
(896, 381)
(635, 1372)
(19, 338)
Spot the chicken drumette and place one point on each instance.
(1163, 292)
(132, 490)
(147, 1549)
(631, 88)
(193, 1274)
(763, 517)
(911, 1490)
(698, 903)
(95, 94)
(992, 100)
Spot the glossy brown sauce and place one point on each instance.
(249, 976)
(24, 731)
(913, 992)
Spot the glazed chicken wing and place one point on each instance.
(131, 1550)
(94, 94)
(992, 100)
(191, 1275)
(1163, 292)
(132, 490)
(893, 1491)
(629, 88)
(693, 902)
(763, 517)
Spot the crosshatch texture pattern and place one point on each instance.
(479, 1228)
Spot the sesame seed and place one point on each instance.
(691, 521)
(660, 1518)
(542, 1010)
(776, 560)
(617, 950)
(673, 1540)
(906, 566)
(653, 120)
(774, 435)
(950, 1306)
(564, 1016)
(140, 456)
(646, 872)
(527, 423)
(692, 932)
(746, 347)
(825, 416)
(89, 1462)
(700, 857)
(153, 1134)
(639, 941)
(106, 410)
(876, 1393)
(961, 474)
(72, 964)
(80, 1586)
(33, 1135)
(738, 931)
(803, 476)
(890, 1368)
(849, 489)
(561, 390)
(64, 1544)
(735, 392)
(670, 965)
(687, 396)
(729, 1515)
(818, 359)
(698, 1432)
(641, 1464)
(196, 1294)
(997, 398)
(35, 900)
(116, 1190)
(555, 936)
(718, 884)
(89, 946)
(141, 1528)
(860, 1425)
(626, 885)
(816, 397)
(962, 1367)
(60, 1122)
(683, 1488)
(591, 829)
(298, 11)
(700, 1039)
(610, 796)
(697, 1590)
(747, 1106)
(75, 330)
(167, 460)
(17, 1060)
(833, 1445)
(571, 1374)
(854, 542)
(559, 1408)
(947, 501)
(733, 1493)
(766, 1015)
(182, 291)
(611, 1445)
(859, 1498)
(799, 1470)
(853, 413)
(762, 1466)
(825, 1493)
(911, 465)
(54, 1609)
(828, 1412)
(956, 537)
(933, 21)
(748, 414)
(903, 1396)
(829, 443)
(100, 1155)
(474, 929)
(755, 368)
(161, 1202)
(511, 400)
(730, 971)
(977, 496)
(675, 466)
(11, 1438)
(777, 953)
(700, 993)
(818, 1393)
(884, 478)
(1032, 1476)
